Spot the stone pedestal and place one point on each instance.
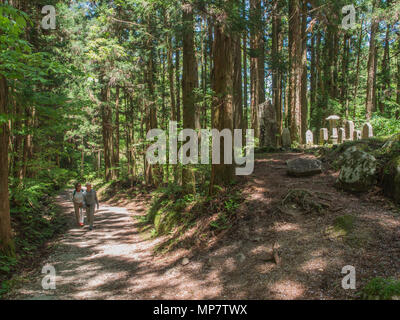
(367, 131)
(349, 130)
(332, 125)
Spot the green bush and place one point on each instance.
(381, 289)
(385, 126)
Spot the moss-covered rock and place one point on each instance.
(358, 172)
(391, 179)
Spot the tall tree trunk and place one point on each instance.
(178, 84)
(256, 62)
(106, 114)
(222, 174)
(295, 70)
(397, 113)
(386, 90)
(370, 103)
(303, 80)
(237, 83)
(245, 87)
(189, 85)
(117, 136)
(276, 68)
(6, 244)
(356, 83)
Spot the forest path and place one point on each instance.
(117, 261)
(113, 261)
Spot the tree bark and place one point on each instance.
(371, 81)
(106, 114)
(6, 243)
(256, 63)
(191, 119)
(222, 174)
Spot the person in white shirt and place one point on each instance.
(77, 199)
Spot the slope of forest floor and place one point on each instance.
(281, 245)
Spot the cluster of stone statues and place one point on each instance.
(334, 135)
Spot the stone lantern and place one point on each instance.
(334, 131)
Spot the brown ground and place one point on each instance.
(115, 261)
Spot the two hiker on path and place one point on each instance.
(85, 199)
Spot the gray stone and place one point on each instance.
(358, 172)
(301, 167)
(391, 179)
(268, 125)
(323, 136)
(349, 130)
(309, 138)
(185, 261)
(342, 135)
(286, 140)
(332, 126)
(367, 131)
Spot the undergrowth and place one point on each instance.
(173, 212)
(381, 289)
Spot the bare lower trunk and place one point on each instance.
(222, 174)
(6, 244)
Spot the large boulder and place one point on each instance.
(358, 171)
(301, 167)
(391, 179)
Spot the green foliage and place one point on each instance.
(344, 224)
(385, 126)
(381, 289)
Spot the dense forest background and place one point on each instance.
(77, 101)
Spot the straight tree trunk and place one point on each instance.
(117, 136)
(296, 70)
(237, 84)
(370, 103)
(256, 63)
(359, 47)
(6, 243)
(386, 94)
(191, 119)
(303, 84)
(106, 114)
(276, 69)
(222, 174)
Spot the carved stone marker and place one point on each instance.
(356, 135)
(323, 135)
(286, 141)
(309, 138)
(349, 129)
(332, 125)
(367, 131)
(268, 126)
(342, 135)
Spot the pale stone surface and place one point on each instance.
(301, 167)
(349, 129)
(286, 141)
(358, 170)
(309, 138)
(332, 126)
(323, 135)
(342, 135)
(367, 131)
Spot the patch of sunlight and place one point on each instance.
(286, 227)
(316, 264)
(287, 289)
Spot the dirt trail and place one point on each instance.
(115, 261)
